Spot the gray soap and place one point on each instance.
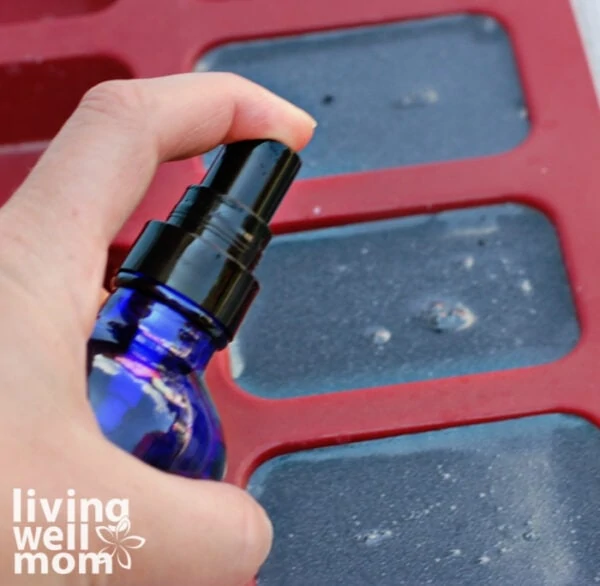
(416, 298)
(396, 94)
(498, 504)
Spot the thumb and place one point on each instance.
(192, 532)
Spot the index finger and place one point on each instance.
(99, 166)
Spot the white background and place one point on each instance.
(587, 14)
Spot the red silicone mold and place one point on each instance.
(50, 56)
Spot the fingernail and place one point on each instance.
(304, 114)
(268, 523)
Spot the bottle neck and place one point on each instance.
(157, 334)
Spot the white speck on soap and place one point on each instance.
(526, 286)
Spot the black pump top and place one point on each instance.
(215, 236)
(255, 173)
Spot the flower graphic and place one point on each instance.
(119, 541)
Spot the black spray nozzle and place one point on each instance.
(215, 236)
(238, 197)
(257, 174)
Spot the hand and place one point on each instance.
(54, 236)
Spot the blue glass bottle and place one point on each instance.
(146, 389)
(179, 297)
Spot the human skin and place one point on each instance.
(54, 236)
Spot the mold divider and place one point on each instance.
(540, 173)
(12, 11)
(201, 25)
(266, 428)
